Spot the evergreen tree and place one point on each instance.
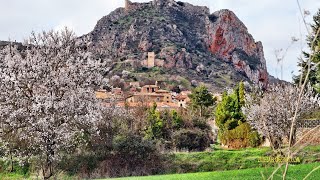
(155, 124)
(176, 119)
(314, 44)
(234, 130)
(228, 111)
(201, 98)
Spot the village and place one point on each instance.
(138, 94)
(146, 95)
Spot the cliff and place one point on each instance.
(188, 41)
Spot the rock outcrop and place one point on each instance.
(229, 40)
(184, 37)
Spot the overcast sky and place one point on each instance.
(273, 22)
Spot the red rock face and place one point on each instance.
(229, 40)
(218, 41)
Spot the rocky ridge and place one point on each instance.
(212, 48)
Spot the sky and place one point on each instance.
(273, 22)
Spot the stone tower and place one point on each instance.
(150, 61)
(127, 4)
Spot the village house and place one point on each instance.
(150, 93)
(149, 88)
(102, 94)
(115, 97)
(183, 99)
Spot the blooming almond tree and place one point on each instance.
(47, 96)
(272, 114)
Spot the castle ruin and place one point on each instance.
(127, 4)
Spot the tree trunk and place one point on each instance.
(275, 143)
(11, 162)
(293, 138)
(47, 170)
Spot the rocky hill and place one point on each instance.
(190, 44)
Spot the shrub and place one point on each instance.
(81, 164)
(240, 137)
(201, 123)
(135, 156)
(191, 140)
(132, 155)
(177, 120)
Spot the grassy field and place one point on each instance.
(221, 159)
(231, 162)
(295, 172)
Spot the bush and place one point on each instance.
(135, 156)
(82, 164)
(240, 137)
(191, 140)
(132, 155)
(201, 123)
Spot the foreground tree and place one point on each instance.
(272, 114)
(47, 96)
(313, 60)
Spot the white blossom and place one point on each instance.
(273, 112)
(47, 95)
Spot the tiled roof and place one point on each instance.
(181, 97)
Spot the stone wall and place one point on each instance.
(303, 130)
(308, 123)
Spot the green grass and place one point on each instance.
(17, 176)
(11, 176)
(221, 159)
(218, 160)
(295, 172)
(223, 162)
